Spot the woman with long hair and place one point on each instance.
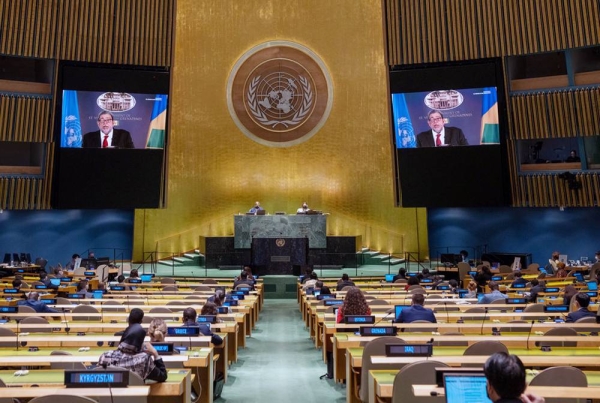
(157, 330)
(354, 304)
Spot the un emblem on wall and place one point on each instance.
(279, 93)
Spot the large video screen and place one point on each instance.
(459, 117)
(448, 129)
(128, 120)
(112, 128)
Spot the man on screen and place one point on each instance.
(440, 136)
(107, 136)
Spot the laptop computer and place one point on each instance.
(461, 388)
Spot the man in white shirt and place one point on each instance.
(303, 209)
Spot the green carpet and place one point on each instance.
(280, 362)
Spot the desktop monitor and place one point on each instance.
(461, 388)
(427, 280)
(579, 277)
(496, 278)
(398, 309)
(146, 278)
(480, 297)
(519, 285)
(462, 293)
(592, 286)
(389, 278)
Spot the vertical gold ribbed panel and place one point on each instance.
(486, 28)
(18, 193)
(137, 32)
(548, 190)
(562, 113)
(18, 115)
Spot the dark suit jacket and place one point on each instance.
(343, 284)
(453, 136)
(580, 313)
(416, 312)
(121, 139)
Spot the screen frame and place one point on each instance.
(139, 180)
(453, 75)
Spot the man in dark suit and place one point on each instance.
(344, 282)
(439, 135)
(107, 136)
(583, 301)
(416, 312)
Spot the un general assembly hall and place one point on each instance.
(377, 201)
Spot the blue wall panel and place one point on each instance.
(539, 231)
(56, 235)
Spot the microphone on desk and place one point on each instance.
(447, 314)
(483, 321)
(529, 334)
(18, 321)
(389, 312)
(67, 328)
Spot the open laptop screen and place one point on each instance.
(466, 388)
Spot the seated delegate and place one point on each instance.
(189, 320)
(135, 355)
(494, 295)
(582, 301)
(416, 311)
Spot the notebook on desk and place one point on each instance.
(461, 388)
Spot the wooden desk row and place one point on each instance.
(176, 389)
(381, 381)
(381, 384)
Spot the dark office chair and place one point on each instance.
(6, 258)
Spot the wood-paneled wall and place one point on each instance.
(427, 31)
(125, 32)
(135, 32)
(424, 31)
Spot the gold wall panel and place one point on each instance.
(345, 169)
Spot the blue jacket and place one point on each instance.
(38, 306)
(580, 313)
(416, 312)
(493, 296)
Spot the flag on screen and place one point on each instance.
(490, 132)
(158, 123)
(405, 135)
(71, 125)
